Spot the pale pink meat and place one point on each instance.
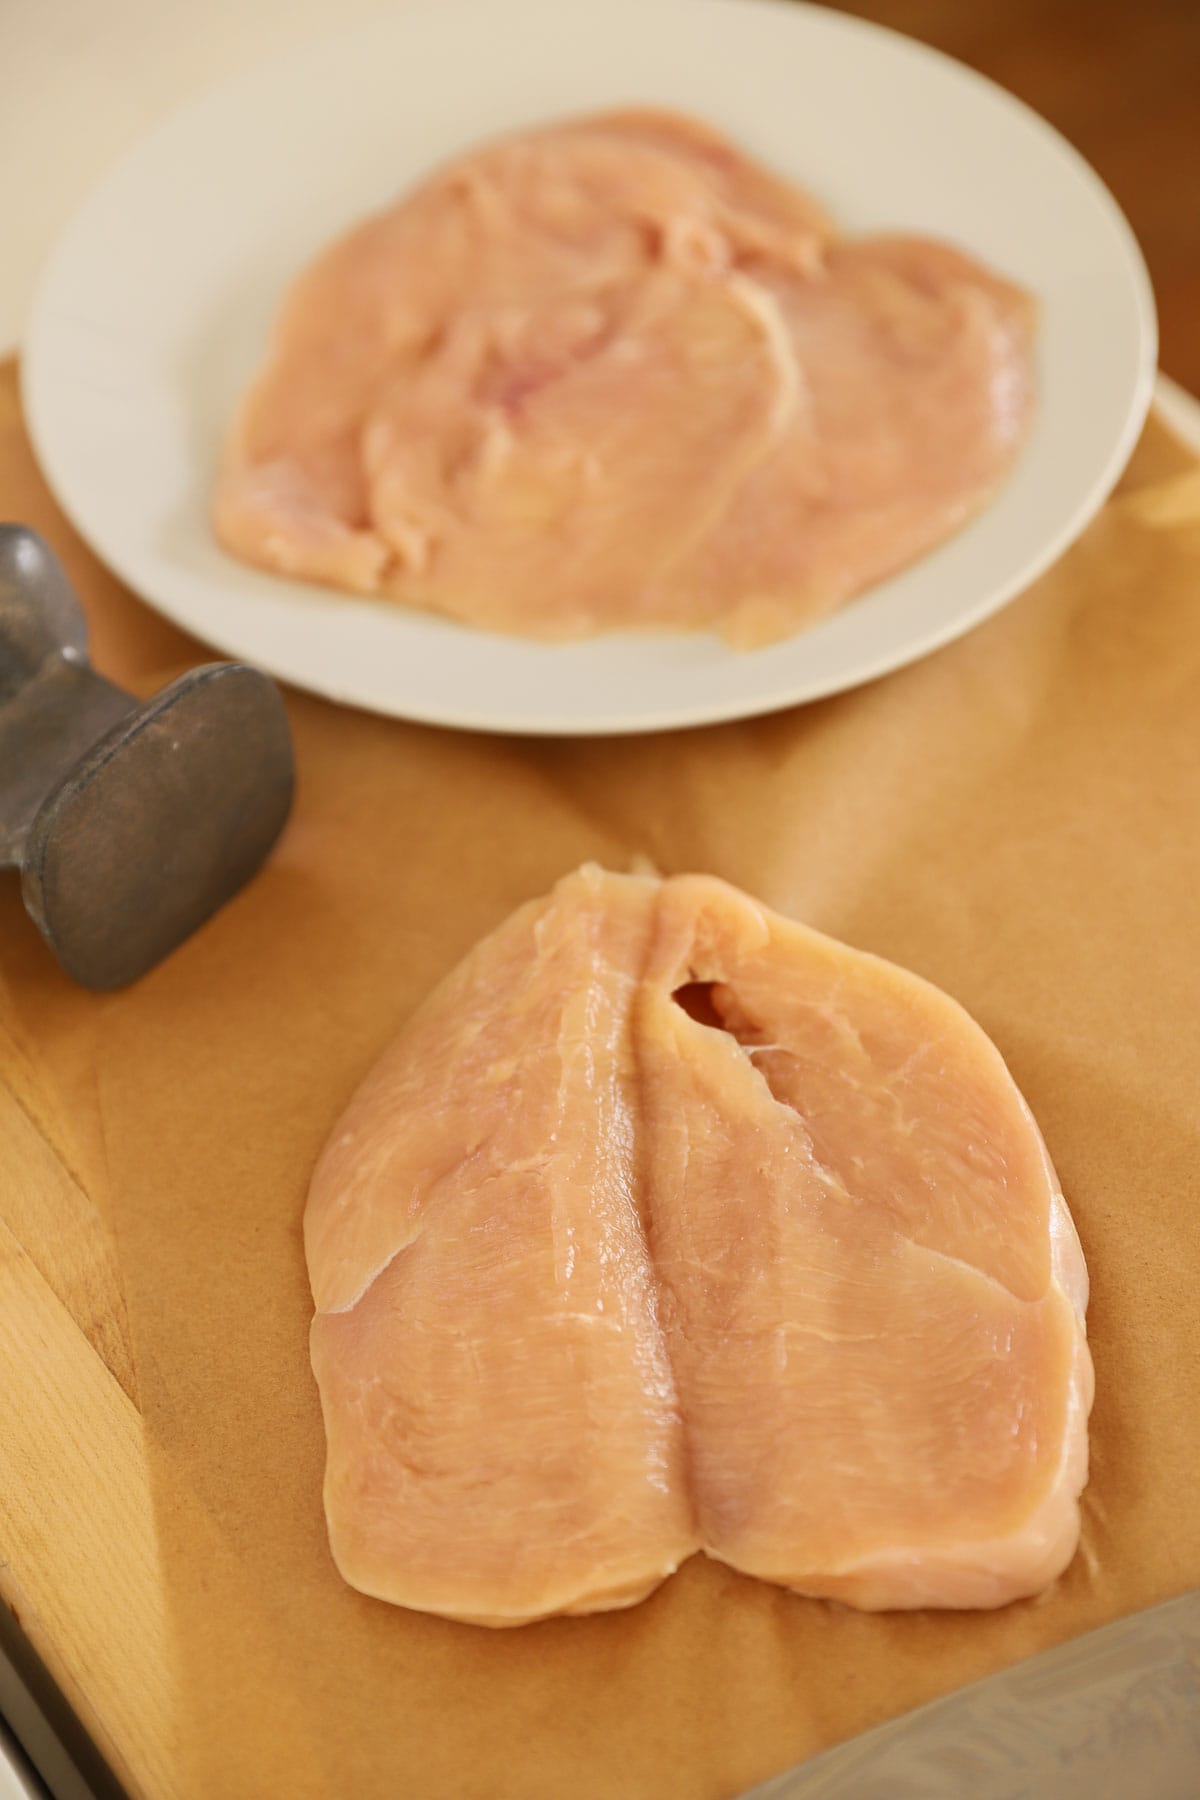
(615, 374)
(668, 1225)
(916, 390)
(502, 1420)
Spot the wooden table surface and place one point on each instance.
(1122, 82)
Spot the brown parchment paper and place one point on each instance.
(1016, 818)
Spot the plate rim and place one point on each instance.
(758, 702)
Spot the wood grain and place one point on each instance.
(64, 1237)
(79, 1565)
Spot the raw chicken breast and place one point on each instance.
(670, 1225)
(613, 373)
(916, 394)
(503, 1429)
(871, 1288)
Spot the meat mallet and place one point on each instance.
(130, 821)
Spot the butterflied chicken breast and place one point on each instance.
(670, 1225)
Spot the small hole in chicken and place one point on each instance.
(696, 999)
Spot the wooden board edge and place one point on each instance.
(80, 1562)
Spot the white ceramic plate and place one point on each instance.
(154, 311)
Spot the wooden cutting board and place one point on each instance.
(748, 1679)
(77, 1542)
(78, 1568)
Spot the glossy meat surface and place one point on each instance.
(670, 1225)
(615, 374)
